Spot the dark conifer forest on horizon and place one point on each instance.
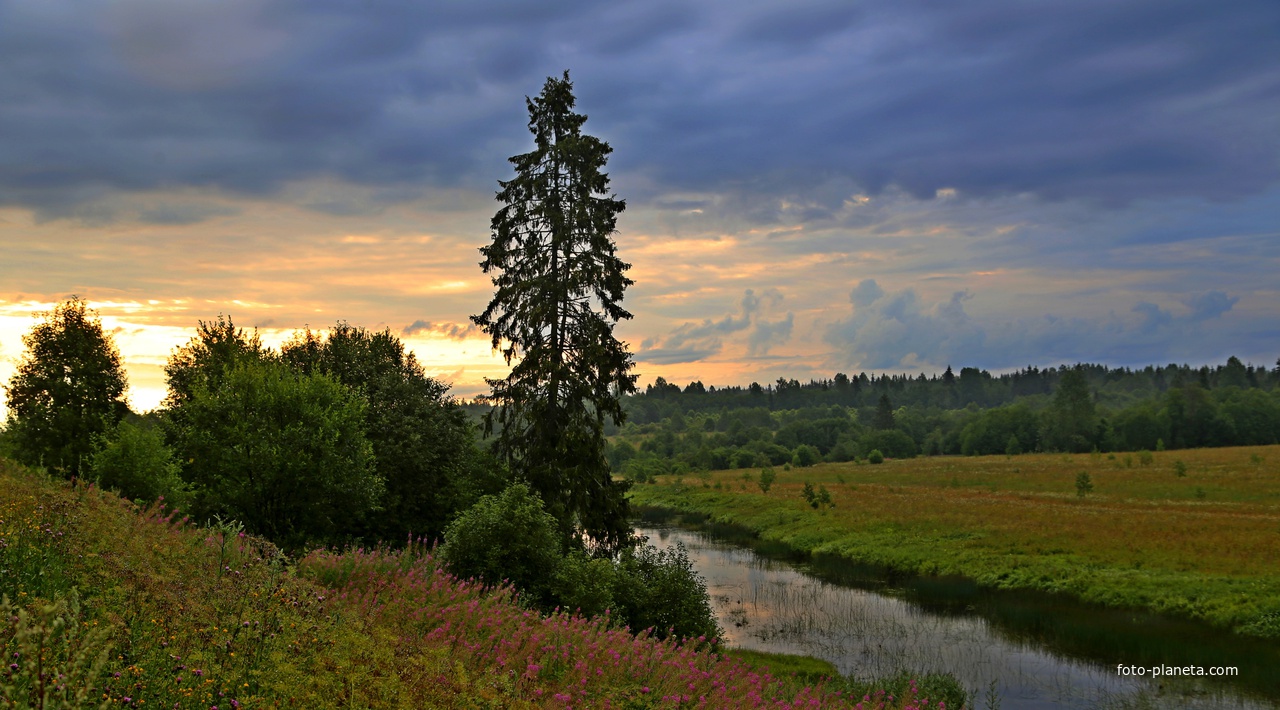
(1072, 408)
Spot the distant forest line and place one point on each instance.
(1074, 408)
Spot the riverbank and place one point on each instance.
(1188, 534)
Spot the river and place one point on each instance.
(1013, 651)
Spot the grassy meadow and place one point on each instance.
(1189, 533)
(107, 604)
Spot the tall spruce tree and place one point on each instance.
(884, 414)
(558, 289)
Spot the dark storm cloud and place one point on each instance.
(1105, 100)
(798, 24)
(245, 95)
(1114, 101)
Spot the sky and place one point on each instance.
(812, 186)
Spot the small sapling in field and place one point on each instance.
(767, 477)
(824, 497)
(1084, 485)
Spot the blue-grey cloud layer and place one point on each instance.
(1120, 151)
(692, 342)
(892, 331)
(1106, 100)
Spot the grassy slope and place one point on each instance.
(162, 614)
(1203, 545)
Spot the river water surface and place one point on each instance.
(1015, 652)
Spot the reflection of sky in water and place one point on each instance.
(767, 605)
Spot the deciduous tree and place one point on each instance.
(69, 387)
(423, 444)
(283, 452)
(216, 347)
(1072, 417)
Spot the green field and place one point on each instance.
(1189, 533)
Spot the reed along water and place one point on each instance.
(1014, 651)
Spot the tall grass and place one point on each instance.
(485, 646)
(114, 605)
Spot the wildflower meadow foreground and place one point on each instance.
(110, 605)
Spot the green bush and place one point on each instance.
(282, 452)
(644, 468)
(1013, 447)
(875, 456)
(135, 461)
(585, 584)
(806, 455)
(843, 451)
(659, 589)
(508, 537)
(891, 443)
(777, 455)
(720, 458)
(744, 458)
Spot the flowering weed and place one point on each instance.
(133, 607)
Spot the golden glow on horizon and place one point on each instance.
(774, 230)
(678, 297)
(145, 347)
(448, 286)
(660, 247)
